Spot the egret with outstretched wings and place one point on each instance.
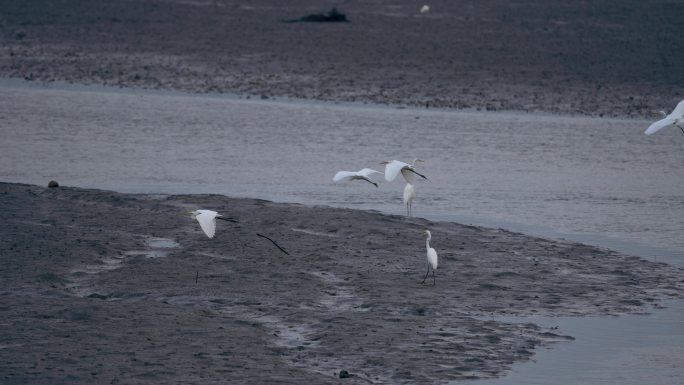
(207, 220)
(408, 171)
(356, 175)
(676, 118)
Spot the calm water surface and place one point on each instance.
(626, 350)
(600, 181)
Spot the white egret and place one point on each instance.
(409, 194)
(425, 9)
(394, 167)
(207, 220)
(431, 258)
(356, 175)
(675, 118)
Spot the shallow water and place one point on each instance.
(600, 181)
(648, 352)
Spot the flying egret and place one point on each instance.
(409, 194)
(425, 9)
(394, 167)
(675, 118)
(356, 175)
(431, 258)
(207, 220)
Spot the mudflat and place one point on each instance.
(581, 57)
(103, 287)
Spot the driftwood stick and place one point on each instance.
(272, 241)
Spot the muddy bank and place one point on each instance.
(580, 57)
(102, 287)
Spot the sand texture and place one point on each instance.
(102, 287)
(99, 287)
(581, 57)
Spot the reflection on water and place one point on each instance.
(597, 180)
(572, 175)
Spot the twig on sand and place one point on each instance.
(272, 241)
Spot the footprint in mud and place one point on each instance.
(338, 296)
(315, 233)
(291, 335)
(156, 248)
(218, 256)
(80, 276)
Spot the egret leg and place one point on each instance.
(417, 173)
(433, 278)
(370, 181)
(426, 274)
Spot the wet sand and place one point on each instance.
(103, 287)
(579, 57)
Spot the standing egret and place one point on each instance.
(425, 9)
(207, 220)
(409, 194)
(394, 167)
(675, 118)
(356, 175)
(431, 258)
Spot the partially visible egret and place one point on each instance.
(207, 220)
(675, 118)
(431, 258)
(394, 167)
(409, 194)
(425, 9)
(356, 175)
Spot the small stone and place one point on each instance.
(53, 184)
(344, 374)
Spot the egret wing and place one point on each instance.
(343, 175)
(679, 110)
(367, 171)
(207, 221)
(393, 168)
(408, 175)
(655, 127)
